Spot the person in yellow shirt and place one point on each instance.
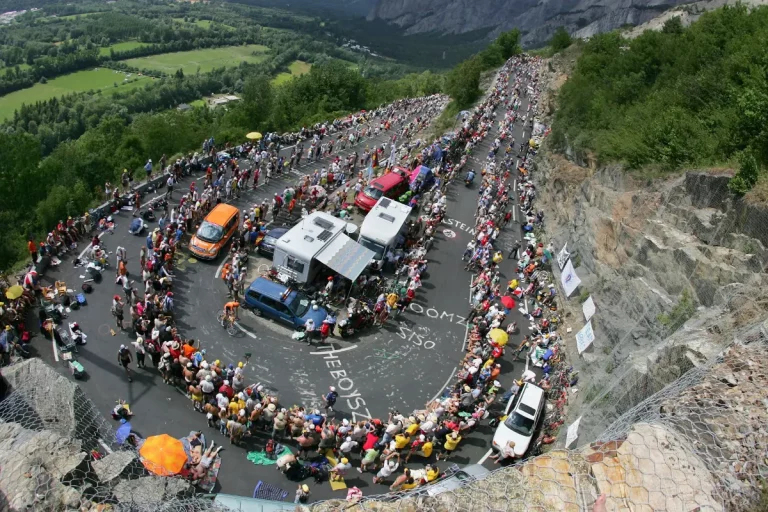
(413, 427)
(235, 406)
(392, 300)
(402, 440)
(498, 257)
(432, 473)
(451, 442)
(425, 450)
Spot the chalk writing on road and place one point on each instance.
(416, 338)
(435, 314)
(449, 233)
(458, 224)
(345, 384)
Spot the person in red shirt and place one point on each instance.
(32, 248)
(227, 390)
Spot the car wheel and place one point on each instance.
(257, 311)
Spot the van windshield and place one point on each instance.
(373, 193)
(299, 305)
(520, 424)
(210, 232)
(373, 246)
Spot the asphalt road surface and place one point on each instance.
(404, 365)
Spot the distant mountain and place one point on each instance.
(536, 19)
(348, 8)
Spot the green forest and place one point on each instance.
(680, 97)
(57, 154)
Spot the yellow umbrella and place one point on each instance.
(253, 136)
(14, 292)
(163, 455)
(499, 337)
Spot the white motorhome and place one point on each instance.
(383, 228)
(319, 239)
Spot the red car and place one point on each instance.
(391, 185)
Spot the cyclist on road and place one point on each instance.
(230, 310)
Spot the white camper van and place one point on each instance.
(383, 228)
(318, 239)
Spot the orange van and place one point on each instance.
(215, 231)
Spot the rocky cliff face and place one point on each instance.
(653, 255)
(537, 19)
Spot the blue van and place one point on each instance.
(270, 299)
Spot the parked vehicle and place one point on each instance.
(522, 415)
(383, 229)
(267, 245)
(391, 185)
(282, 303)
(214, 232)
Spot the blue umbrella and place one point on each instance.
(123, 431)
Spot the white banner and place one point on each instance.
(585, 337)
(562, 256)
(573, 432)
(588, 308)
(569, 279)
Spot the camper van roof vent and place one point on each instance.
(325, 224)
(325, 235)
(387, 217)
(308, 238)
(385, 203)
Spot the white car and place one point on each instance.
(522, 415)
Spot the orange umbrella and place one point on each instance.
(163, 455)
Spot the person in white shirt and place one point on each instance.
(389, 467)
(347, 446)
(309, 329)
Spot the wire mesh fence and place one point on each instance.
(701, 443)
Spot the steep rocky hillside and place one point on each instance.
(537, 19)
(676, 266)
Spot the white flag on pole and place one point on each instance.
(585, 337)
(569, 279)
(588, 308)
(573, 432)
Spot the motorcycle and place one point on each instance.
(358, 319)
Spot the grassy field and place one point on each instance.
(21, 67)
(198, 103)
(297, 68)
(121, 47)
(98, 79)
(204, 23)
(206, 59)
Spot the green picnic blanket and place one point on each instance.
(261, 458)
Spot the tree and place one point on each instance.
(258, 98)
(560, 40)
(747, 175)
(463, 82)
(673, 26)
(509, 42)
